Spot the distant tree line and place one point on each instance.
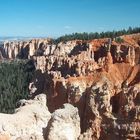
(96, 35)
(14, 81)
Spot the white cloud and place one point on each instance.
(67, 27)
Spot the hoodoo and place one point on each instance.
(91, 90)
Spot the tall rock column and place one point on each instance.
(131, 56)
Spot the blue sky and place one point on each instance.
(57, 17)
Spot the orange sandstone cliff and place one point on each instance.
(100, 78)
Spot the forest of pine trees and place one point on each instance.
(14, 80)
(90, 36)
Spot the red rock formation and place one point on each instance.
(100, 77)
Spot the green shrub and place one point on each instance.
(119, 40)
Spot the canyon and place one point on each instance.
(81, 90)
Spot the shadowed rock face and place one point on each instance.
(99, 77)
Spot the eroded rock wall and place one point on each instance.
(100, 77)
(92, 77)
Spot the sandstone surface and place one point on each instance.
(100, 77)
(28, 120)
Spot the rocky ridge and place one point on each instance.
(33, 121)
(100, 77)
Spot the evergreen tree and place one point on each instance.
(90, 36)
(15, 77)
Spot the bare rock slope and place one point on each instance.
(33, 121)
(64, 124)
(28, 121)
(99, 77)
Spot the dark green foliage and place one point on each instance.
(89, 36)
(119, 40)
(14, 81)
